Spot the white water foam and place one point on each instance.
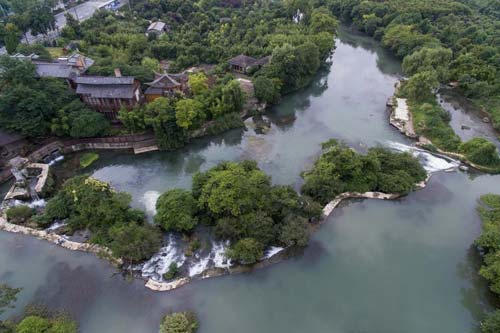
(199, 266)
(55, 160)
(56, 226)
(216, 258)
(219, 256)
(272, 251)
(149, 201)
(159, 264)
(40, 203)
(431, 163)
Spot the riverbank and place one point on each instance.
(402, 118)
(60, 241)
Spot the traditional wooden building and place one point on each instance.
(67, 68)
(166, 85)
(157, 28)
(243, 64)
(109, 94)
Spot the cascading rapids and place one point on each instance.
(430, 162)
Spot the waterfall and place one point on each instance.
(430, 162)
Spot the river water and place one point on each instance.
(374, 266)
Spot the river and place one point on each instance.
(374, 266)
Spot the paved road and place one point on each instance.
(80, 12)
(83, 11)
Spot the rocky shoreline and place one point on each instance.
(60, 240)
(401, 118)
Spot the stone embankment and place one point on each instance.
(328, 209)
(401, 117)
(59, 240)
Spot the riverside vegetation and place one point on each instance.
(489, 243)
(439, 42)
(35, 319)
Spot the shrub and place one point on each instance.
(172, 271)
(480, 151)
(295, 231)
(341, 169)
(246, 251)
(179, 322)
(19, 214)
(492, 323)
(224, 123)
(134, 242)
(175, 211)
(57, 208)
(33, 324)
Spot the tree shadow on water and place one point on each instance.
(476, 297)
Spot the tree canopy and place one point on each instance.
(341, 169)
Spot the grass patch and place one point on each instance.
(87, 159)
(55, 52)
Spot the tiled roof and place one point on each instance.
(106, 87)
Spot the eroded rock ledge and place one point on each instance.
(59, 240)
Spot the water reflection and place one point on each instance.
(475, 295)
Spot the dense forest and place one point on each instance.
(440, 42)
(489, 243)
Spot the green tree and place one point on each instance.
(176, 211)
(492, 323)
(189, 113)
(246, 251)
(234, 189)
(179, 322)
(198, 83)
(133, 119)
(294, 231)
(151, 64)
(160, 115)
(12, 35)
(323, 21)
(429, 59)
(134, 242)
(421, 85)
(265, 89)
(33, 324)
(480, 151)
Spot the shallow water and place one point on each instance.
(374, 266)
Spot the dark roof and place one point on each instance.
(8, 138)
(106, 87)
(242, 60)
(158, 26)
(54, 69)
(65, 68)
(153, 91)
(105, 80)
(168, 80)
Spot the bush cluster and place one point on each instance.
(341, 169)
